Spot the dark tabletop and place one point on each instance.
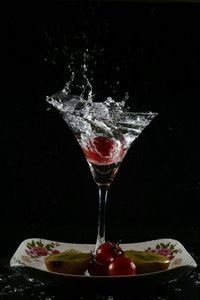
(150, 50)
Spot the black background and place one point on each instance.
(152, 50)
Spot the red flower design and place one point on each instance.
(39, 251)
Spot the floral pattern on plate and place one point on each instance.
(38, 248)
(167, 249)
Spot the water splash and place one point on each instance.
(79, 84)
(88, 118)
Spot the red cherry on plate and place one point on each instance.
(122, 265)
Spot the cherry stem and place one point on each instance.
(119, 242)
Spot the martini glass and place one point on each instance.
(105, 132)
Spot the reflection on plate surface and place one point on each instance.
(31, 253)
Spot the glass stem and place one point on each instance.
(103, 191)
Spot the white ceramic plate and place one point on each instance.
(31, 253)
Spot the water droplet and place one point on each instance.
(178, 289)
